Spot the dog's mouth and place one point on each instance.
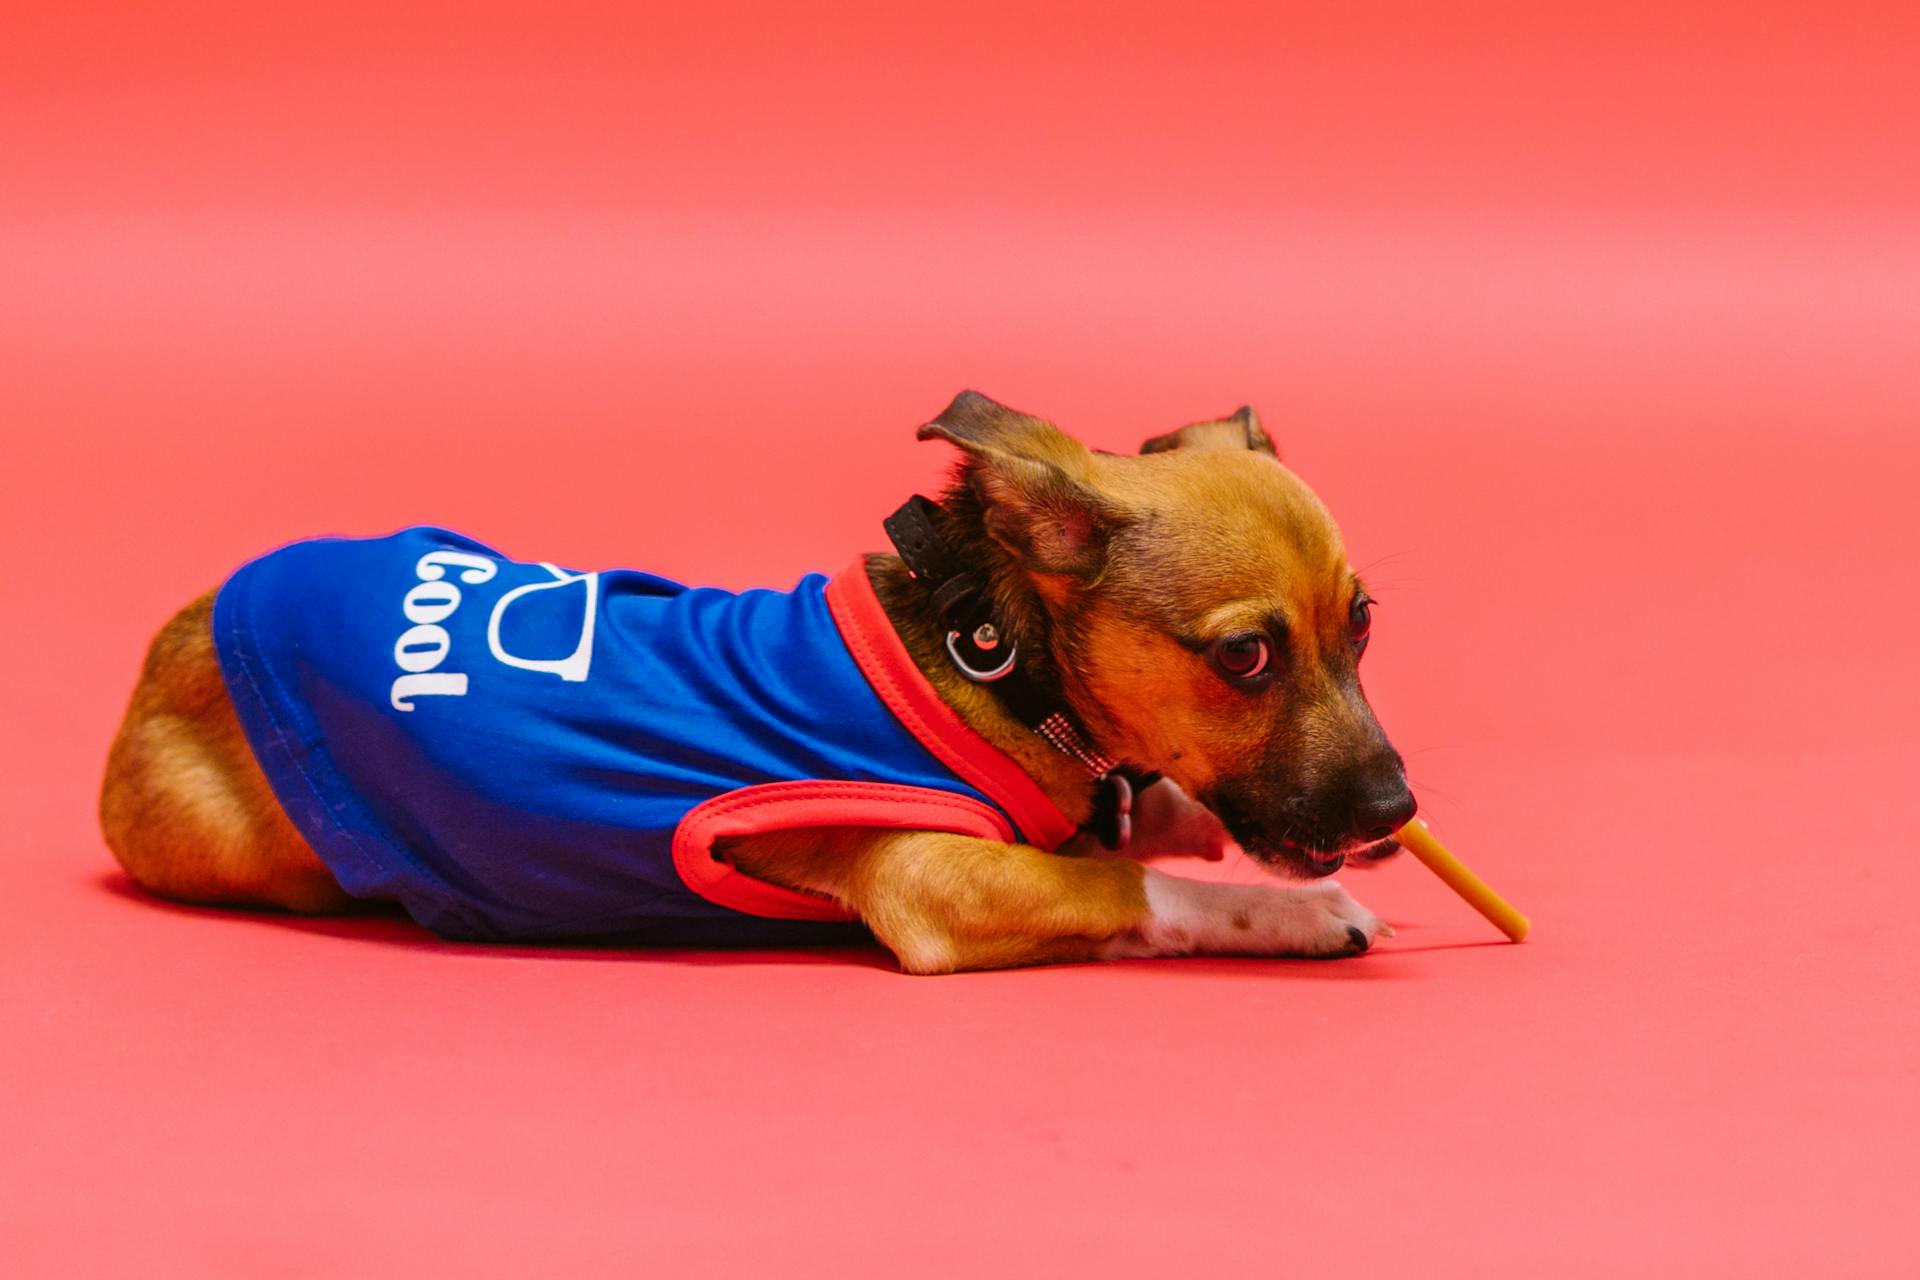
(1322, 862)
(1327, 860)
(1300, 856)
(1306, 861)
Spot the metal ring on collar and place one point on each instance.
(977, 676)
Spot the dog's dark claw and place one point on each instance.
(1358, 939)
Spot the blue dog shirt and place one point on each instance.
(521, 751)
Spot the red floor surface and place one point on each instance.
(1599, 335)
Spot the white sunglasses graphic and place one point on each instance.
(572, 667)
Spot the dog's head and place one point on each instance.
(1196, 607)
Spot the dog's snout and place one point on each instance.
(1383, 803)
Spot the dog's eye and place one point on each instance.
(1360, 623)
(1243, 657)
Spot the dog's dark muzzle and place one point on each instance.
(1313, 830)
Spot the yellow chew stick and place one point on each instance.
(1417, 840)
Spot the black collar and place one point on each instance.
(982, 651)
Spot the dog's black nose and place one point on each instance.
(1383, 802)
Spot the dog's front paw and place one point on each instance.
(1187, 916)
(1337, 924)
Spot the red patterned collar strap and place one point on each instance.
(894, 675)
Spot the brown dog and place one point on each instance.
(1192, 613)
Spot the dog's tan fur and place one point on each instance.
(185, 807)
(1108, 569)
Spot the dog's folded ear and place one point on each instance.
(1239, 430)
(1033, 482)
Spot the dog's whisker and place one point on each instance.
(1432, 790)
(1386, 558)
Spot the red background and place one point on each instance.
(1599, 334)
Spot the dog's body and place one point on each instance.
(1190, 612)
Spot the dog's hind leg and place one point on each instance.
(184, 806)
(944, 902)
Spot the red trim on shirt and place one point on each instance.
(894, 675)
(781, 806)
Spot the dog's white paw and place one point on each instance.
(1187, 916)
(1334, 916)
